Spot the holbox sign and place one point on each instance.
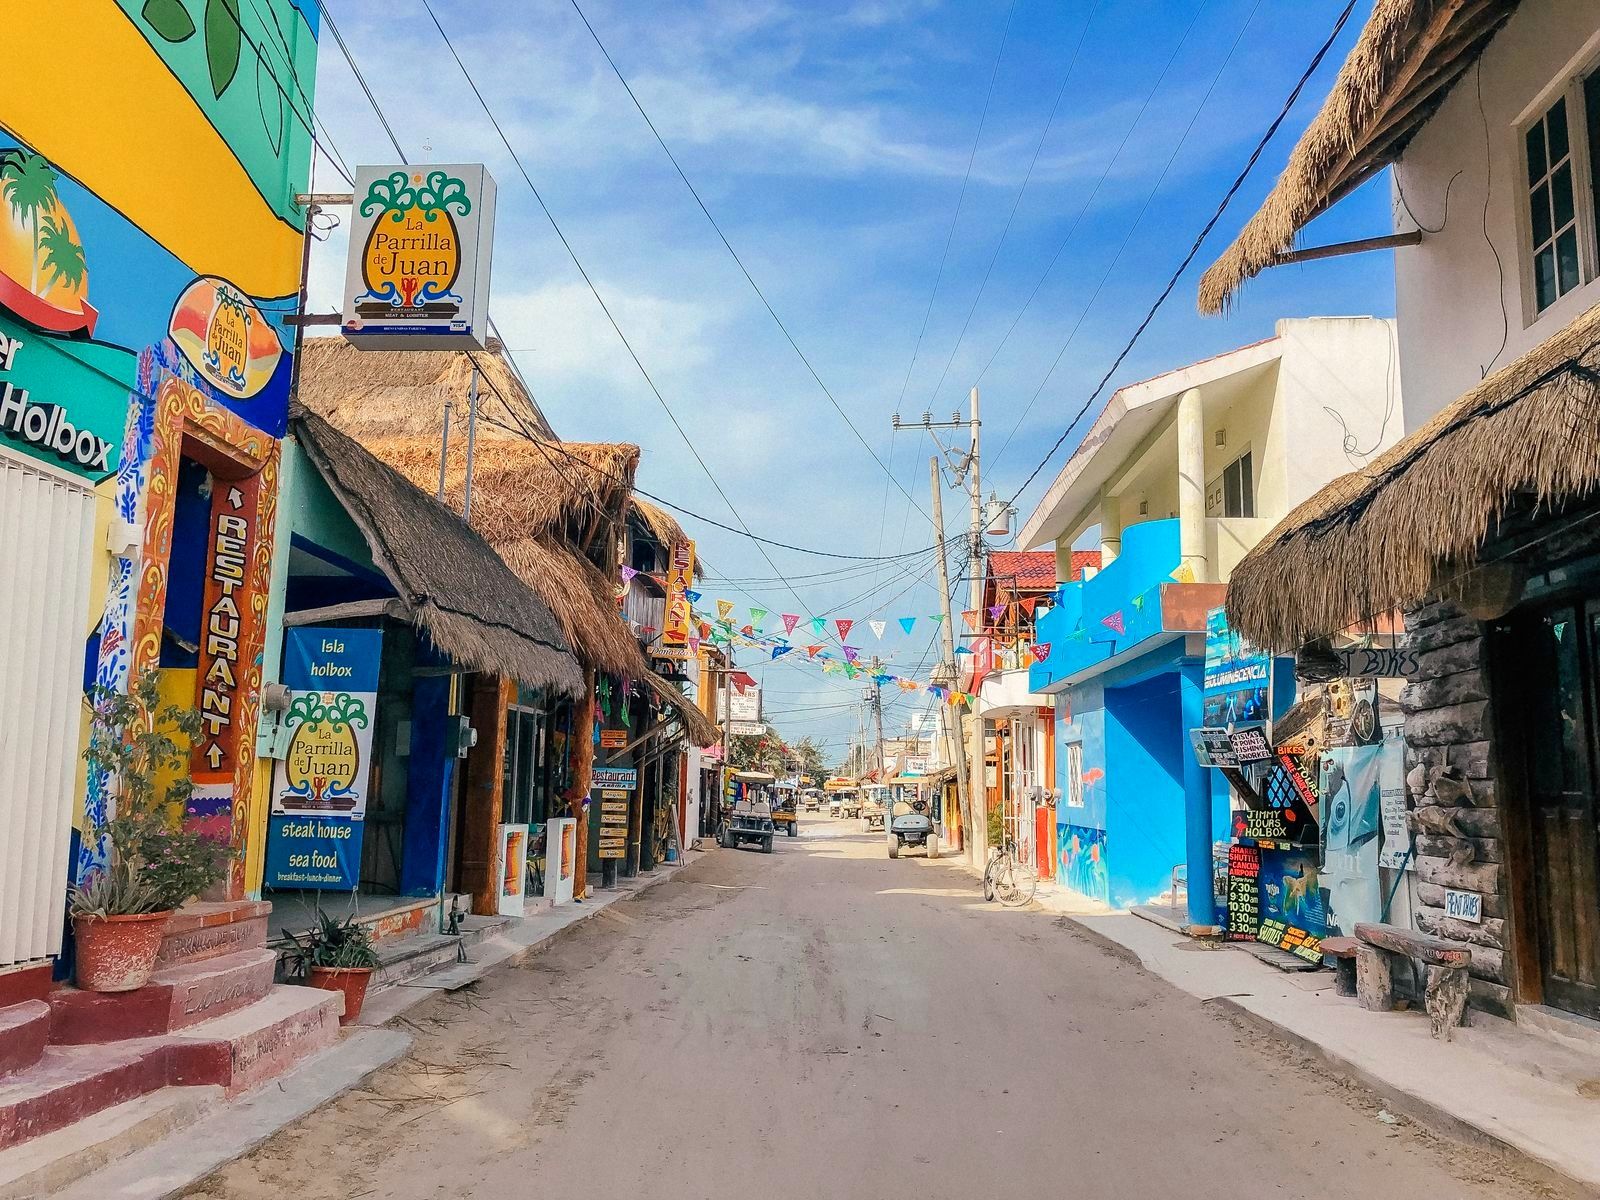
(319, 789)
(418, 273)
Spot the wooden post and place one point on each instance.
(1446, 999)
(582, 751)
(1374, 982)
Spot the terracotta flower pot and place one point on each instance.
(118, 954)
(352, 981)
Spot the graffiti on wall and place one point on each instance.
(1082, 854)
(149, 257)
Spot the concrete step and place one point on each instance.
(250, 1046)
(407, 958)
(175, 997)
(212, 929)
(50, 1162)
(24, 1030)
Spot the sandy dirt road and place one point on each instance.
(823, 1022)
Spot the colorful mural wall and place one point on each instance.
(150, 254)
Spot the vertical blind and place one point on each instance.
(46, 556)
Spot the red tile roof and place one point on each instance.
(1024, 570)
(1082, 559)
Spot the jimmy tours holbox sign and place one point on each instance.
(418, 273)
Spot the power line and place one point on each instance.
(826, 391)
(1200, 238)
(362, 80)
(1127, 238)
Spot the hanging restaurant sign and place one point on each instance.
(678, 622)
(417, 276)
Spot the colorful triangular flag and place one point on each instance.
(1184, 573)
(811, 651)
(789, 622)
(843, 625)
(1138, 601)
(908, 623)
(724, 609)
(995, 610)
(971, 618)
(757, 615)
(780, 651)
(1030, 604)
(627, 574)
(877, 628)
(937, 618)
(1040, 651)
(851, 654)
(1114, 622)
(691, 597)
(819, 626)
(748, 631)
(963, 649)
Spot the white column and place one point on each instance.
(1192, 484)
(1110, 528)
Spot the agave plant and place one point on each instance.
(334, 942)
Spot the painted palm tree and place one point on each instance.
(63, 256)
(28, 182)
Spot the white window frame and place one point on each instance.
(1217, 490)
(1569, 86)
(1073, 765)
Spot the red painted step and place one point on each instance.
(238, 1051)
(175, 998)
(211, 929)
(24, 1030)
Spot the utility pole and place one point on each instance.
(965, 469)
(963, 783)
(877, 713)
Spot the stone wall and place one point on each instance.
(1455, 813)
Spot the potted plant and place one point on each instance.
(120, 911)
(337, 956)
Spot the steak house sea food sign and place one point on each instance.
(417, 277)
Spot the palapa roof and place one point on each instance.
(452, 584)
(385, 393)
(551, 510)
(1401, 68)
(1380, 538)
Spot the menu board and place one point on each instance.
(1244, 893)
(613, 824)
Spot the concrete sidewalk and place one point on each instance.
(1493, 1084)
(161, 1145)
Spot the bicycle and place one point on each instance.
(1007, 878)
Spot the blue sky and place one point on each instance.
(831, 140)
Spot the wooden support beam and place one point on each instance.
(1390, 241)
(344, 612)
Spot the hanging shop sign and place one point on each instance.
(740, 706)
(1290, 794)
(678, 623)
(1213, 748)
(1236, 676)
(319, 787)
(513, 870)
(624, 779)
(613, 739)
(417, 276)
(1263, 825)
(1366, 662)
(57, 408)
(1250, 745)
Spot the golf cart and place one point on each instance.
(811, 799)
(911, 817)
(785, 808)
(874, 804)
(748, 815)
(843, 799)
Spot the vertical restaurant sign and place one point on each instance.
(418, 272)
(677, 622)
(219, 667)
(613, 823)
(319, 787)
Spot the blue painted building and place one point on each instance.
(1180, 475)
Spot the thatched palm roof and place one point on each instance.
(452, 584)
(1408, 57)
(388, 393)
(1383, 536)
